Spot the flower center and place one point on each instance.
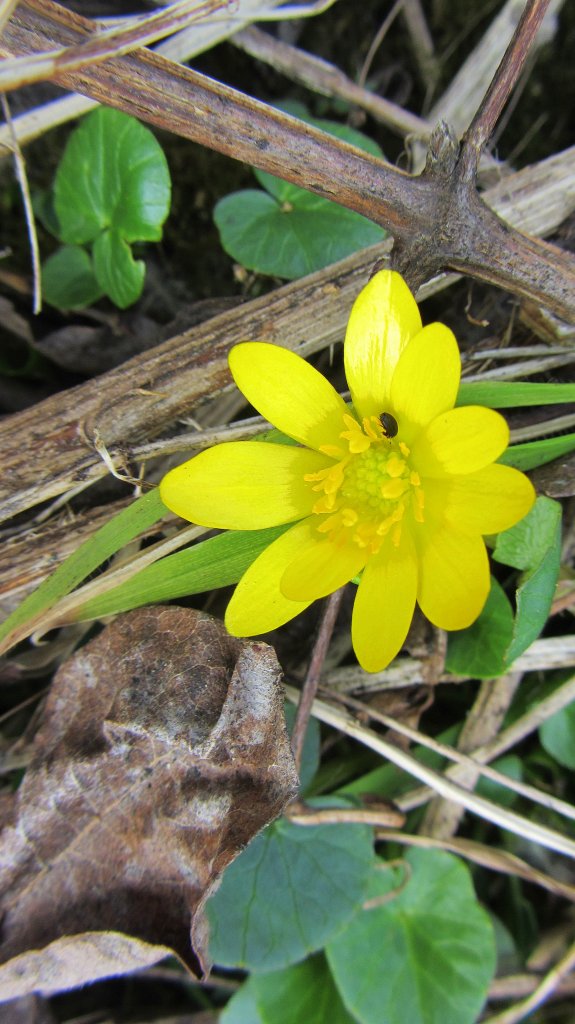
(370, 489)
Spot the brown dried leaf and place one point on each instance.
(162, 752)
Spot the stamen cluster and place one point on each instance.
(370, 488)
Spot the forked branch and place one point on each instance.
(437, 219)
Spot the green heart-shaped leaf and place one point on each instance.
(423, 954)
(288, 893)
(113, 174)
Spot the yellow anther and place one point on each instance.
(325, 504)
(405, 451)
(329, 524)
(414, 479)
(384, 527)
(321, 475)
(357, 440)
(372, 427)
(394, 465)
(332, 450)
(349, 516)
(396, 535)
(393, 489)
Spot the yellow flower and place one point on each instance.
(400, 488)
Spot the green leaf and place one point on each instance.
(288, 232)
(557, 736)
(68, 279)
(425, 955)
(118, 273)
(533, 545)
(513, 394)
(298, 994)
(216, 562)
(534, 598)
(242, 1007)
(122, 528)
(288, 893)
(43, 206)
(290, 240)
(113, 174)
(480, 650)
(525, 545)
(302, 994)
(538, 453)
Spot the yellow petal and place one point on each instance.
(454, 576)
(384, 317)
(243, 485)
(460, 441)
(426, 379)
(257, 604)
(490, 500)
(384, 604)
(321, 567)
(289, 392)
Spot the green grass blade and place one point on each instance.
(537, 453)
(131, 521)
(513, 394)
(217, 562)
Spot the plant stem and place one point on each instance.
(311, 681)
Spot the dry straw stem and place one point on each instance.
(543, 991)
(549, 653)
(421, 41)
(442, 817)
(188, 42)
(438, 220)
(147, 395)
(514, 986)
(561, 698)
(467, 761)
(485, 809)
(20, 171)
(322, 77)
(6, 8)
(111, 42)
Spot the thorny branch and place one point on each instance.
(499, 91)
(437, 219)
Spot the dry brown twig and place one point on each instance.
(311, 681)
(437, 219)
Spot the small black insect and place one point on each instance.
(389, 424)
